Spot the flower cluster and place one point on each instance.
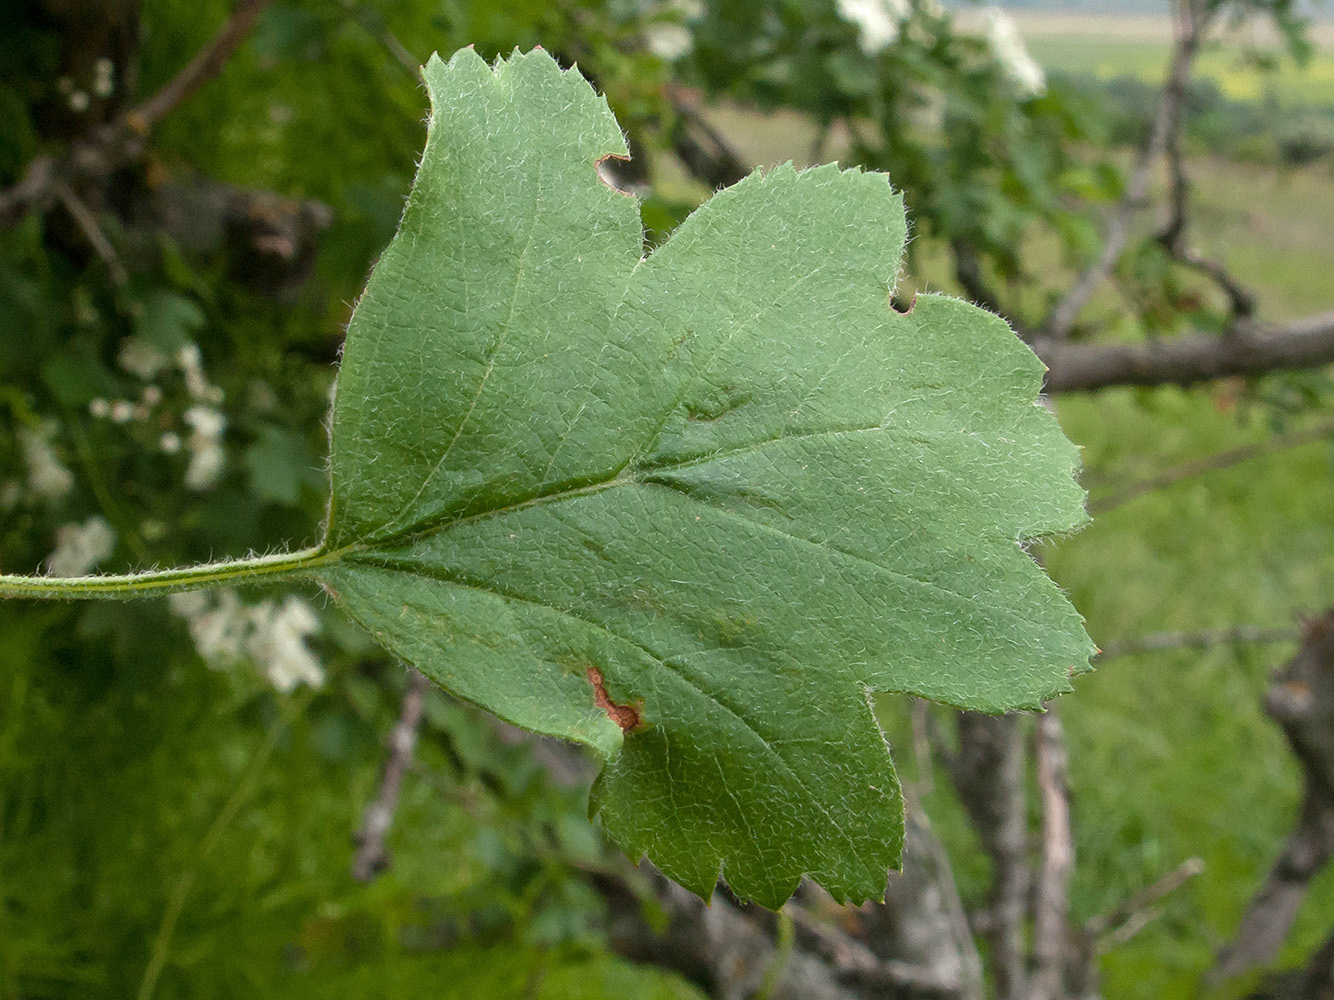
(208, 457)
(273, 636)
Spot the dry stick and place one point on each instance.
(1157, 641)
(1210, 463)
(122, 140)
(1051, 889)
(1301, 700)
(372, 855)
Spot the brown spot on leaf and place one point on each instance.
(625, 716)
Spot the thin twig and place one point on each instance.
(372, 854)
(1172, 236)
(97, 239)
(1158, 641)
(1127, 913)
(1191, 23)
(1301, 700)
(988, 774)
(1211, 463)
(206, 64)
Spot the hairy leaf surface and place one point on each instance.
(690, 509)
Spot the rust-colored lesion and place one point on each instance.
(625, 716)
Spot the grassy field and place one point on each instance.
(1139, 46)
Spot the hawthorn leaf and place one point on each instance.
(690, 509)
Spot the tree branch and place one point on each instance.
(1127, 912)
(988, 775)
(1301, 700)
(87, 222)
(1188, 359)
(1192, 21)
(123, 140)
(700, 147)
(1241, 301)
(1051, 888)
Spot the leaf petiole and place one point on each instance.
(152, 582)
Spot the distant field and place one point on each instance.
(1138, 45)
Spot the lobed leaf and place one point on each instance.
(690, 509)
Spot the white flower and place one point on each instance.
(191, 363)
(99, 408)
(79, 101)
(669, 41)
(277, 643)
(218, 629)
(80, 547)
(207, 456)
(1010, 52)
(47, 477)
(878, 21)
(225, 631)
(122, 411)
(170, 442)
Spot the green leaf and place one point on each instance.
(692, 509)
